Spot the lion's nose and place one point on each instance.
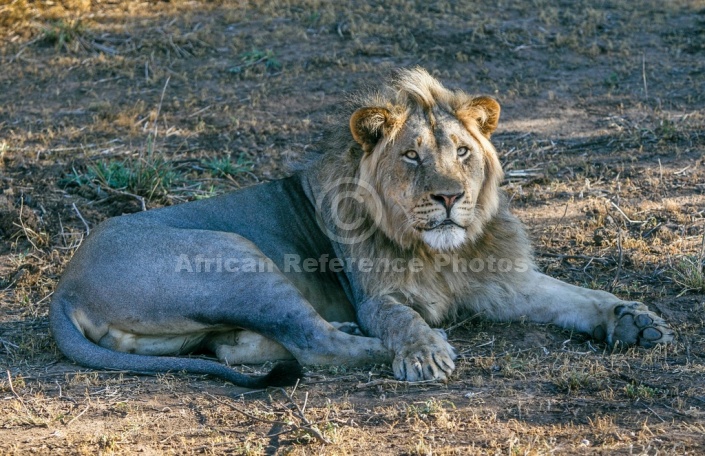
(447, 200)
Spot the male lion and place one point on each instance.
(399, 225)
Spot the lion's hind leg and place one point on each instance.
(246, 347)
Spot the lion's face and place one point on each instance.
(435, 170)
(431, 179)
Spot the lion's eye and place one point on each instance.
(463, 151)
(411, 155)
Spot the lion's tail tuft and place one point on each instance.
(285, 373)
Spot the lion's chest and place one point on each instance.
(437, 293)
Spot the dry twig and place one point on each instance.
(79, 415)
(308, 427)
(619, 263)
(12, 388)
(88, 228)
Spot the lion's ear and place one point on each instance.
(368, 125)
(483, 111)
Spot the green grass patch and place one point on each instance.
(642, 392)
(151, 179)
(689, 274)
(225, 166)
(61, 33)
(255, 58)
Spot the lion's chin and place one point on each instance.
(445, 238)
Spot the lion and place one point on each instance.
(399, 226)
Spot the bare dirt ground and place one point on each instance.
(109, 106)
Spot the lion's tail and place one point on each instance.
(72, 343)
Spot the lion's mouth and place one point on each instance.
(442, 225)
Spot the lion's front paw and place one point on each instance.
(635, 324)
(427, 359)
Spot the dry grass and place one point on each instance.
(110, 107)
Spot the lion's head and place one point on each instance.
(426, 151)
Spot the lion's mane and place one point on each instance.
(493, 233)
